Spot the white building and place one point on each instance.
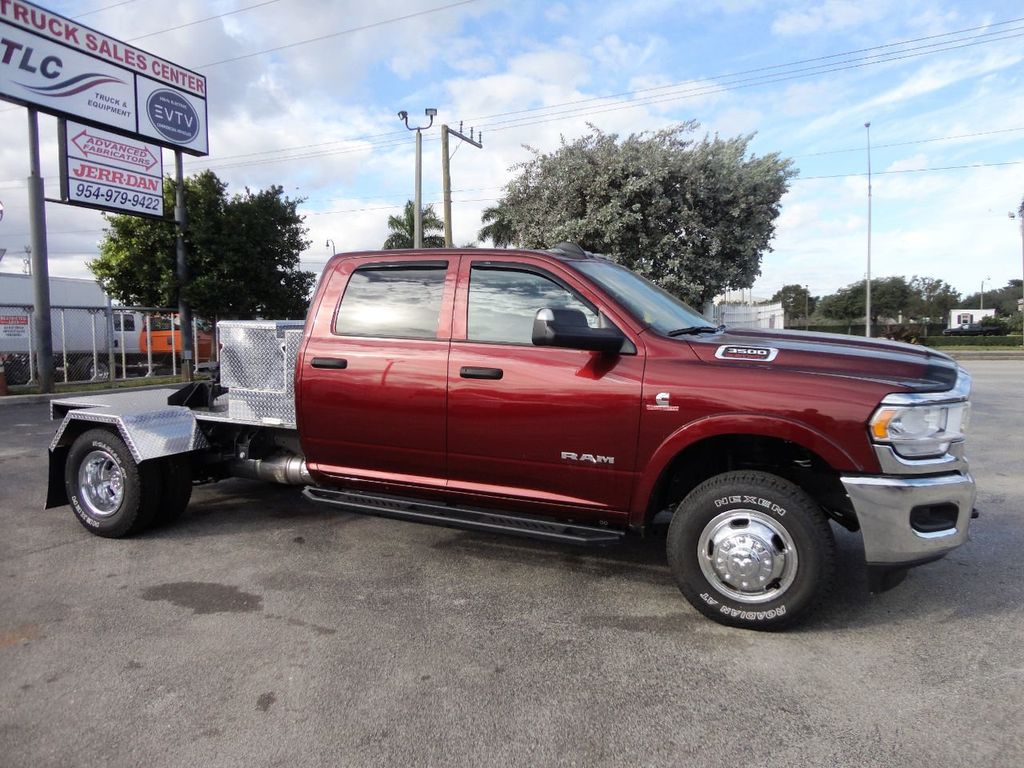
(958, 317)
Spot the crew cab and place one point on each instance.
(556, 394)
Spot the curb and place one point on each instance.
(1000, 354)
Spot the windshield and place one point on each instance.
(648, 303)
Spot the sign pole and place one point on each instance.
(42, 339)
(184, 308)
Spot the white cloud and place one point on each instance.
(830, 16)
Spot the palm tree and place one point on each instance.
(401, 228)
(497, 228)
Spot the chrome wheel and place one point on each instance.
(747, 556)
(100, 484)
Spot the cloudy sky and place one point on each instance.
(304, 94)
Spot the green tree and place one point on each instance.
(1003, 300)
(401, 229)
(496, 228)
(890, 299)
(243, 254)
(694, 216)
(845, 304)
(796, 300)
(931, 298)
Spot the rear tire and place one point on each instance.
(751, 549)
(110, 494)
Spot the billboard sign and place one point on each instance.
(104, 170)
(61, 67)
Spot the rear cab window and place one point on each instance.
(393, 300)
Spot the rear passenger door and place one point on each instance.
(374, 369)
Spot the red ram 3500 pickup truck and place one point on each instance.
(558, 395)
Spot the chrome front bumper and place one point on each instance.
(884, 504)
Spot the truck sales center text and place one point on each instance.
(88, 41)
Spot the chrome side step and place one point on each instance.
(463, 517)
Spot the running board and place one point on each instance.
(463, 517)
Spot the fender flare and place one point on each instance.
(735, 424)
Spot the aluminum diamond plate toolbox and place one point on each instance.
(253, 353)
(258, 367)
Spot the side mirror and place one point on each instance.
(568, 328)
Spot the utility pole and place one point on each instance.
(867, 280)
(446, 173)
(1020, 217)
(417, 234)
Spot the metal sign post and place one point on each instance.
(184, 308)
(42, 340)
(54, 64)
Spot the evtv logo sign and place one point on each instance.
(172, 116)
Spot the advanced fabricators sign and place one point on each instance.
(99, 169)
(61, 67)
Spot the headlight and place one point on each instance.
(920, 431)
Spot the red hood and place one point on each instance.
(906, 366)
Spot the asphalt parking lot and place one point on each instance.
(263, 630)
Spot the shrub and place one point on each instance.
(972, 341)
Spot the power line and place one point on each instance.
(911, 170)
(909, 143)
(104, 8)
(756, 70)
(200, 21)
(706, 90)
(349, 31)
(680, 91)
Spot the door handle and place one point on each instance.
(469, 372)
(330, 362)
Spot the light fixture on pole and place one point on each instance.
(867, 278)
(330, 244)
(417, 234)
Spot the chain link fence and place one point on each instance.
(100, 343)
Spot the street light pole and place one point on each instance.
(807, 299)
(417, 235)
(1019, 215)
(330, 243)
(867, 279)
(982, 301)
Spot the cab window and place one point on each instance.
(503, 302)
(123, 322)
(401, 301)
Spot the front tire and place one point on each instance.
(110, 494)
(751, 549)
